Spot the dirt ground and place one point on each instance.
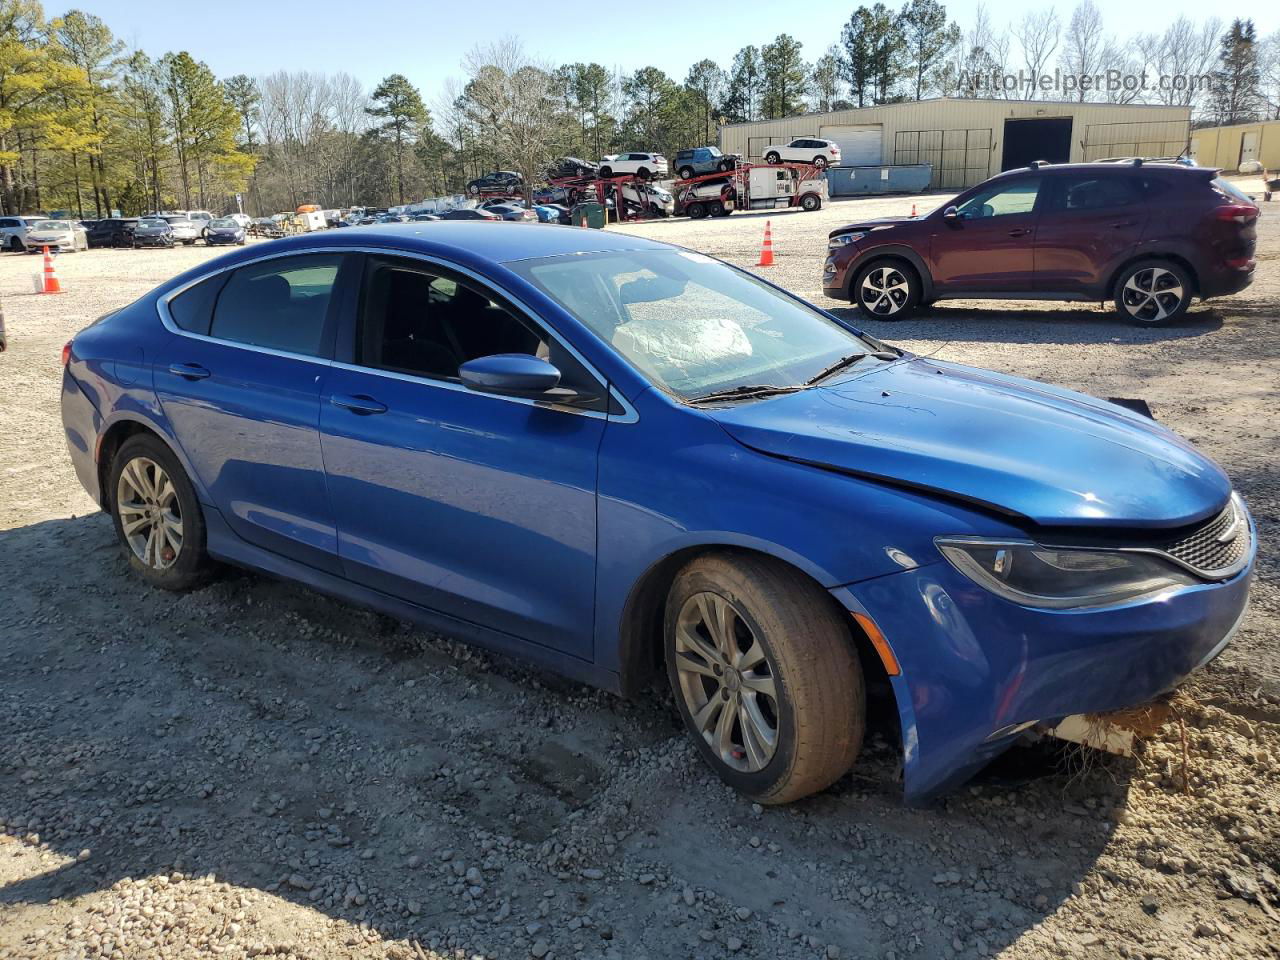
(255, 770)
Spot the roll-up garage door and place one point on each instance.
(860, 145)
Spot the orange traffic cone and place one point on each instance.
(766, 252)
(51, 284)
(913, 209)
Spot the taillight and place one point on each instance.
(834, 151)
(66, 353)
(1237, 212)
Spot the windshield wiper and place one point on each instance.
(849, 361)
(744, 392)
(836, 367)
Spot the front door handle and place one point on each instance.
(1124, 223)
(188, 371)
(1020, 232)
(359, 403)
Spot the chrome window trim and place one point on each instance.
(629, 414)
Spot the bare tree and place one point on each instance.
(1084, 48)
(1177, 58)
(1037, 36)
(511, 99)
(1269, 74)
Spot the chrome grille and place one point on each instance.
(1218, 548)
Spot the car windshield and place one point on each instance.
(691, 324)
(714, 151)
(223, 222)
(51, 225)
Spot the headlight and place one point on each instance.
(1060, 578)
(844, 239)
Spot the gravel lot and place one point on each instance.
(252, 769)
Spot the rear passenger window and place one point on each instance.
(1098, 193)
(192, 309)
(281, 304)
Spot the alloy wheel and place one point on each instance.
(884, 291)
(1152, 294)
(150, 514)
(727, 682)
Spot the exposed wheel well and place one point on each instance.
(640, 635)
(113, 440)
(1170, 257)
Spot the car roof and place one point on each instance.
(1057, 169)
(464, 241)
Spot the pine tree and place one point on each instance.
(927, 41)
(745, 75)
(86, 42)
(1235, 96)
(785, 77)
(397, 103)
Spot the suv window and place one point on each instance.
(419, 320)
(1093, 192)
(281, 304)
(1002, 200)
(8, 223)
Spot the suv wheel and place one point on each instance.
(772, 157)
(685, 173)
(157, 516)
(606, 172)
(765, 676)
(820, 162)
(643, 173)
(473, 189)
(887, 289)
(1152, 293)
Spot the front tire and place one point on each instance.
(156, 514)
(773, 157)
(886, 289)
(765, 676)
(1153, 293)
(606, 172)
(810, 202)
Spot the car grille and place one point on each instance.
(1219, 548)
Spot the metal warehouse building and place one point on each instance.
(1228, 147)
(966, 141)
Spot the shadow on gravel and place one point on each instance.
(287, 742)
(1080, 325)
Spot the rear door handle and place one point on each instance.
(1020, 232)
(360, 404)
(188, 371)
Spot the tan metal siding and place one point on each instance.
(1109, 129)
(1221, 146)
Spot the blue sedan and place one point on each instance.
(619, 458)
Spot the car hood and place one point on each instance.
(870, 224)
(1052, 456)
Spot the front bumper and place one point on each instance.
(974, 665)
(55, 246)
(165, 241)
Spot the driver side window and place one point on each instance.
(423, 321)
(1002, 200)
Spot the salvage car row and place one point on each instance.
(33, 234)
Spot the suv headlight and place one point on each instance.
(844, 239)
(1058, 578)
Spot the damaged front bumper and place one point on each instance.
(976, 671)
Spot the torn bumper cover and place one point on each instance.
(977, 670)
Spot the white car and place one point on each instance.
(643, 165)
(652, 200)
(204, 215)
(185, 230)
(241, 218)
(60, 236)
(821, 153)
(13, 232)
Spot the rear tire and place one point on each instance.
(715, 208)
(886, 289)
(1153, 293)
(820, 162)
(684, 173)
(643, 173)
(765, 676)
(606, 172)
(157, 515)
(696, 211)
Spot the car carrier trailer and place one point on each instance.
(752, 186)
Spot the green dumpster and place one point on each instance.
(588, 215)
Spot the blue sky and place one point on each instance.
(426, 40)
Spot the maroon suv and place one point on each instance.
(1150, 236)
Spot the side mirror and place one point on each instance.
(510, 374)
(951, 214)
